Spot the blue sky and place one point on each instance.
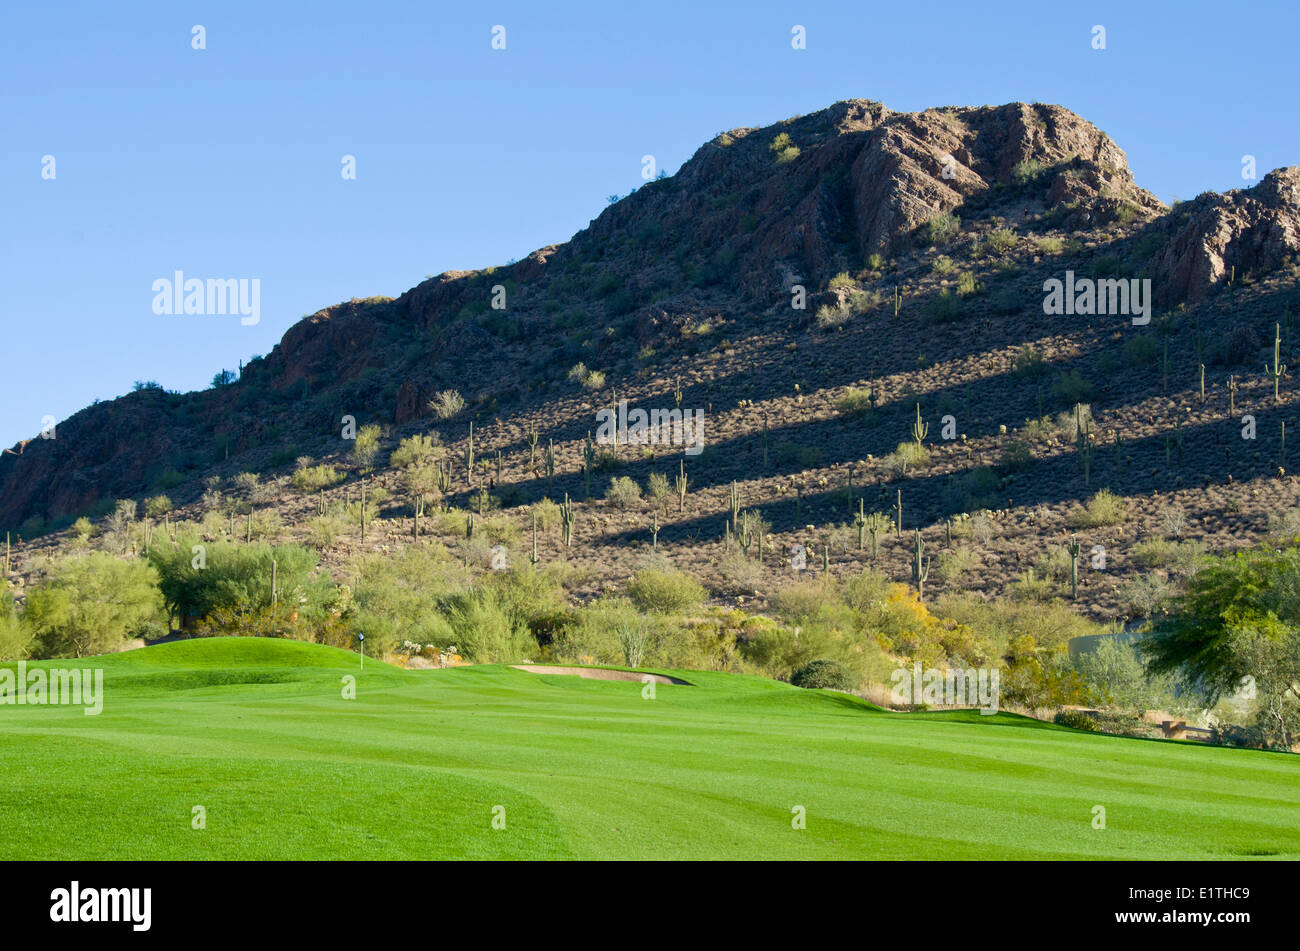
(225, 162)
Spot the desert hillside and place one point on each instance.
(851, 306)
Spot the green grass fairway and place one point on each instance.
(258, 733)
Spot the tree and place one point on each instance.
(223, 378)
(1041, 680)
(90, 604)
(1239, 623)
(1118, 679)
(157, 506)
(194, 583)
(421, 484)
(15, 636)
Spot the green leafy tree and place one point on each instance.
(1238, 625)
(15, 637)
(92, 603)
(196, 579)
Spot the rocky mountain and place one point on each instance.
(779, 275)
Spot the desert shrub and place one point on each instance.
(1031, 586)
(1026, 171)
(907, 456)
(1146, 595)
(1172, 520)
(1001, 240)
(952, 565)
(1071, 387)
(1043, 680)
(1140, 351)
(613, 631)
(365, 447)
(823, 674)
(737, 574)
(417, 450)
(942, 228)
(1054, 564)
(800, 601)
(855, 401)
(967, 284)
(485, 632)
(976, 489)
(1285, 525)
(1048, 625)
(1016, 457)
(404, 594)
(1178, 558)
(1075, 720)
(828, 317)
(1029, 362)
(266, 523)
(657, 487)
(785, 149)
(447, 404)
(324, 530)
(623, 492)
(1104, 508)
(943, 265)
(944, 307)
(533, 597)
(500, 529)
(310, 479)
(16, 638)
(586, 378)
(89, 604)
(665, 590)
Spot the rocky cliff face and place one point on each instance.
(754, 212)
(1217, 236)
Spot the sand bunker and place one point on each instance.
(600, 673)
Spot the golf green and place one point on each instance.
(495, 762)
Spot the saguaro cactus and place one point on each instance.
(469, 456)
(1083, 442)
(734, 502)
(898, 514)
(1232, 395)
(550, 465)
(920, 565)
(1278, 370)
(588, 460)
(681, 486)
(533, 436)
(1074, 548)
(919, 429)
(566, 521)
